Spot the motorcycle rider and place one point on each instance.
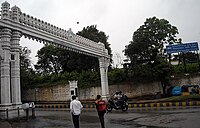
(121, 99)
(118, 99)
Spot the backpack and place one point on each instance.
(101, 105)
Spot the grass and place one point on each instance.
(183, 98)
(194, 97)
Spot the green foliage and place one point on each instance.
(148, 40)
(27, 74)
(92, 33)
(88, 79)
(57, 60)
(50, 60)
(191, 68)
(116, 76)
(26, 77)
(183, 98)
(85, 79)
(58, 66)
(146, 49)
(141, 73)
(178, 69)
(55, 78)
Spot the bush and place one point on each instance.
(140, 73)
(117, 76)
(190, 68)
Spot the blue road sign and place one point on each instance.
(186, 47)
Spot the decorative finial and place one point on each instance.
(15, 8)
(5, 4)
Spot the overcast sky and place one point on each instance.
(117, 18)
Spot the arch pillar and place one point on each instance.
(15, 68)
(103, 65)
(5, 67)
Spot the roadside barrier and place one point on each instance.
(131, 105)
(164, 104)
(52, 106)
(63, 106)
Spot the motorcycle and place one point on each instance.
(122, 104)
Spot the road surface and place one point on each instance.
(186, 117)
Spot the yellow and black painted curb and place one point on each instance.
(164, 104)
(131, 105)
(62, 106)
(51, 106)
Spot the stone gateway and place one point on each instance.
(13, 25)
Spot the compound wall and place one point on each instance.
(61, 92)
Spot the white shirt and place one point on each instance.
(75, 107)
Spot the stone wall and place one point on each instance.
(55, 93)
(131, 90)
(186, 80)
(62, 92)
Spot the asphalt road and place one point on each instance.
(187, 117)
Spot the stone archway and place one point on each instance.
(13, 25)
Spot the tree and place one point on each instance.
(92, 33)
(190, 57)
(50, 60)
(26, 71)
(118, 60)
(57, 60)
(146, 47)
(25, 62)
(149, 39)
(163, 71)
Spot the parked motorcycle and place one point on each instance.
(119, 105)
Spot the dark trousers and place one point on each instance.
(101, 118)
(75, 120)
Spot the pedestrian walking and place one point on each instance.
(101, 109)
(75, 107)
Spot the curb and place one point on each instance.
(63, 106)
(164, 104)
(52, 106)
(131, 105)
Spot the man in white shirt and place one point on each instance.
(75, 107)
